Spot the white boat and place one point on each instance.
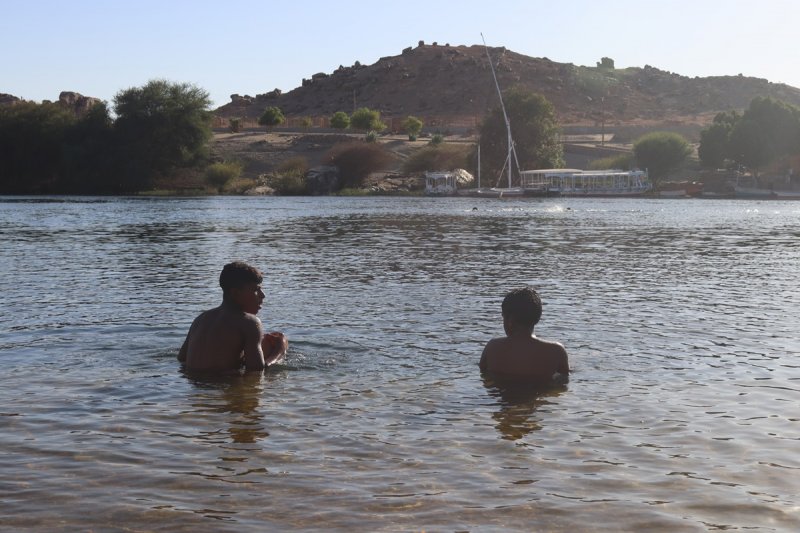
(494, 192)
(786, 195)
(589, 183)
(673, 193)
(440, 184)
(680, 189)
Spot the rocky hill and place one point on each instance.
(455, 82)
(75, 102)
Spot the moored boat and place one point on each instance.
(757, 193)
(494, 192)
(680, 189)
(440, 184)
(587, 183)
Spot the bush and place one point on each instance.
(306, 122)
(235, 124)
(294, 166)
(620, 161)
(357, 160)
(272, 117)
(437, 138)
(371, 137)
(289, 184)
(340, 120)
(412, 125)
(219, 175)
(438, 157)
(366, 119)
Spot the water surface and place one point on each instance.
(680, 318)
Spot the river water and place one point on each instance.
(680, 319)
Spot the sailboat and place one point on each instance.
(499, 192)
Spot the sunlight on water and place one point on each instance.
(680, 318)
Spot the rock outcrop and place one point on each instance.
(76, 102)
(9, 99)
(322, 180)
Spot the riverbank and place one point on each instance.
(264, 154)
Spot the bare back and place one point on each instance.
(223, 338)
(524, 358)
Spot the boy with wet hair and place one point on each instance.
(231, 336)
(520, 355)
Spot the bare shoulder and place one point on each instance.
(495, 341)
(491, 348)
(552, 346)
(251, 323)
(494, 345)
(558, 353)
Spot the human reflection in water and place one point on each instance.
(517, 404)
(238, 396)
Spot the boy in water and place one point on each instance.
(230, 336)
(520, 356)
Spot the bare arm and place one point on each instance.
(563, 361)
(253, 354)
(274, 346)
(483, 364)
(184, 351)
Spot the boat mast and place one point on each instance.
(479, 165)
(503, 107)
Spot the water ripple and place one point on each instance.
(679, 318)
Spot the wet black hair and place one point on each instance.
(523, 307)
(237, 274)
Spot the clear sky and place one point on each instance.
(98, 47)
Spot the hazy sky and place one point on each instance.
(246, 46)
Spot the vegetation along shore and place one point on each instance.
(375, 129)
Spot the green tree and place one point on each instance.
(767, 130)
(660, 152)
(45, 148)
(88, 154)
(366, 119)
(340, 120)
(412, 125)
(534, 130)
(715, 140)
(271, 117)
(160, 127)
(31, 140)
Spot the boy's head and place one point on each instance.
(241, 284)
(522, 308)
(238, 274)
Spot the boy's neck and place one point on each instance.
(228, 303)
(521, 333)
